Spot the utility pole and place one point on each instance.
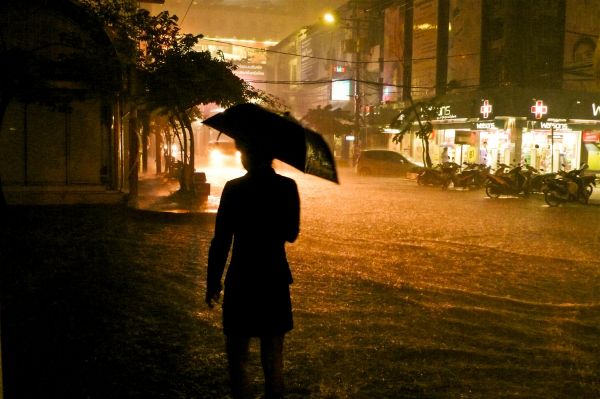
(357, 75)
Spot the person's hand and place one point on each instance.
(212, 297)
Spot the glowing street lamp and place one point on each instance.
(329, 18)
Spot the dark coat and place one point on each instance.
(259, 212)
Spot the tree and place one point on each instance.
(184, 79)
(420, 113)
(171, 78)
(329, 122)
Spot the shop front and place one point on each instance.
(486, 143)
(551, 146)
(591, 149)
(549, 130)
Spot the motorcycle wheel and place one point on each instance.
(491, 192)
(421, 180)
(552, 198)
(585, 194)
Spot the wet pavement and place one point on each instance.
(159, 194)
(400, 291)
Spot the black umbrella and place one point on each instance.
(284, 136)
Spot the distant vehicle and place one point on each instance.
(223, 153)
(384, 163)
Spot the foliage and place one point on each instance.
(170, 77)
(420, 113)
(329, 121)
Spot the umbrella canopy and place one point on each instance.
(282, 135)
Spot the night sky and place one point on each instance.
(246, 19)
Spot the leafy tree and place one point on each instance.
(171, 78)
(329, 122)
(420, 113)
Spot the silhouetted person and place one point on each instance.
(258, 212)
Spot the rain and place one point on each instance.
(400, 289)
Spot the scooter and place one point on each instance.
(570, 186)
(472, 176)
(538, 181)
(513, 182)
(439, 175)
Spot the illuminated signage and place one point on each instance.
(595, 109)
(339, 69)
(485, 125)
(554, 125)
(463, 137)
(486, 109)
(539, 109)
(340, 90)
(444, 112)
(591, 137)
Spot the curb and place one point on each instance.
(173, 215)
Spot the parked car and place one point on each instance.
(384, 163)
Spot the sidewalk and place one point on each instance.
(160, 194)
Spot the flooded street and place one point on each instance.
(400, 291)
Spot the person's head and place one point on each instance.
(254, 156)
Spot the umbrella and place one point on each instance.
(285, 137)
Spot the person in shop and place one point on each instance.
(445, 157)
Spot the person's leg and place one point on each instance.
(237, 355)
(271, 356)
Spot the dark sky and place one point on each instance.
(246, 19)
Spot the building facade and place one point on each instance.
(519, 84)
(514, 79)
(338, 65)
(60, 142)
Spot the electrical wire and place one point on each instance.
(186, 12)
(399, 60)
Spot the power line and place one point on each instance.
(186, 12)
(399, 60)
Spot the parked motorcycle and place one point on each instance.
(570, 186)
(511, 182)
(538, 181)
(439, 175)
(472, 176)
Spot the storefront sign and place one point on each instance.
(591, 137)
(485, 125)
(554, 125)
(539, 109)
(461, 137)
(444, 112)
(595, 109)
(488, 125)
(485, 109)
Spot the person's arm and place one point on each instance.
(219, 248)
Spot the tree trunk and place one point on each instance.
(188, 169)
(134, 149)
(158, 149)
(192, 158)
(145, 120)
(428, 162)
